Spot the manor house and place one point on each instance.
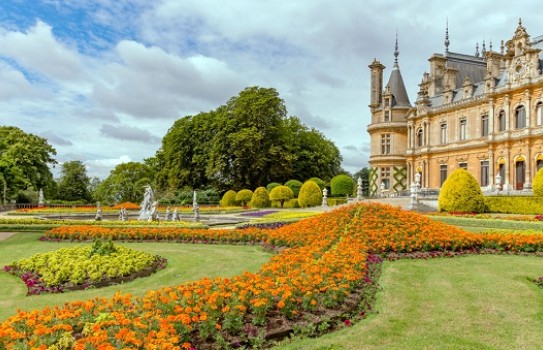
(481, 112)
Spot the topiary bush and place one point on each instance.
(295, 186)
(461, 193)
(272, 185)
(537, 185)
(342, 185)
(281, 194)
(310, 195)
(261, 198)
(243, 197)
(229, 199)
(319, 182)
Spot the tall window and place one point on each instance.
(539, 113)
(484, 125)
(463, 128)
(463, 165)
(484, 173)
(443, 133)
(520, 117)
(420, 137)
(387, 116)
(501, 120)
(443, 173)
(385, 177)
(385, 143)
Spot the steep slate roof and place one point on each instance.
(397, 88)
(468, 66)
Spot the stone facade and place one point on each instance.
(482, 112)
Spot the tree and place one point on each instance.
(125, 183)
(319, 182)
(310, 194)
(229, 199)
(246, 143)
(24, 162)
(295, 186)
(281, 194)
(74, 183)
(342, 185)
(461, 193)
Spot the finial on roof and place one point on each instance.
(502, 47)
(396, 51)
(477, 49)
(483, 51)
(490, 45)
(519, 21)
(447, 42)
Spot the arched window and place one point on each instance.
(420, 137)
(539, 113)
(484, 125)
(520, 117)
(501, 120)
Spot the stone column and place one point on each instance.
(506, 186)
(528, 181)
(491, 166)
(528, 109)
(507, 111)
(490, 117)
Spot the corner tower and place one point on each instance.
(388, 129)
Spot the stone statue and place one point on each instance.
(168, 214)
(41, 200)
(324, 198)
(123, 214)
(146, 204)
(98, 216)
(154, 212)
(359, 192)
(175, 216)
(195, 207)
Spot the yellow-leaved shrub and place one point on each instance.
(461, 193)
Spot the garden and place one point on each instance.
(359, 276)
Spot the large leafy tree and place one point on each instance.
(125, 183)
(24, 162)
(247, 143)
(74, 183)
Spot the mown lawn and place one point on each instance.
(474, 302)
(185, 262)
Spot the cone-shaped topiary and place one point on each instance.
(229, 199)
(281, 194)
(310, 195)
(319, 182)
(295, 186)
(342, 185)
(261, 198)
(461, 193)
(537, 185)
(243, 197)
(272, 185)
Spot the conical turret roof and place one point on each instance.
(396, 84)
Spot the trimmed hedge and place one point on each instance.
(461, 193)
(526, 205)
(490, 223)
(319, 182)
(281, 194)
(295, 186)
(342, 185)
(229, 199)
(332, 202)
(272, 185)
(243, 197)
(310, 195)
(261, 198)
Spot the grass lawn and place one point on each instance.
(474, 302)
(185, 262)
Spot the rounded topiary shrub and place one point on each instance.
(281, 194)
(319, 182)
(342, 185)
(272, 185)
(243, 197)
(295, 186)
(461, 193)
(537, 185)
(261, 198)
(310, 194)
(229, 199)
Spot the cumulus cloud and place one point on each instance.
(37, 50)
(15, 86)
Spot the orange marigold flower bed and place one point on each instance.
(322, 265)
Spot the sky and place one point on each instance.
(104, 80)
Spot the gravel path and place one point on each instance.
(6, 235)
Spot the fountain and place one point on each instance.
(148, 206)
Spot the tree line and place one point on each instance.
(247, 143)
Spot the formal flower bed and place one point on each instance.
(98, 265)
(115, 209)
(324, 272)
